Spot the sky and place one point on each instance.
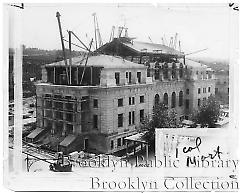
(199, 26)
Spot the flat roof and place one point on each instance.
(137, 137)
(105, 61)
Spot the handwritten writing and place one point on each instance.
(233, 6)
(189, 149)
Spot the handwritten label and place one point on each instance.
(234, 6)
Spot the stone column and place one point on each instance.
(169, 74)
(177, 74)
(161, 74)
(53, 131)
(54, 75)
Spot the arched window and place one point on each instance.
(180, 98)
(173, 100)
(165, 99)
(173, 70)
(156, 99)
(181, 71)
(157, 70)
(165, 71)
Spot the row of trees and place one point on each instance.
(206, 116)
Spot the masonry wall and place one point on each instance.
(107, 136)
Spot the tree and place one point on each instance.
(208, 113)
(161, 118)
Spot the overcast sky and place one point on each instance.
(198, 26)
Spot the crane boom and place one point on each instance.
(63, 47)
(98, 38)
(171, 42)
(175, 41)
(196, 51)
(163, 41)
(86, 62)
(179, 45)
(79, 40)
(112, 34)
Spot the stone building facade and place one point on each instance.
(101, 113)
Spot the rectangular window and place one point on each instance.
(199, 90)
(141, 115)
(120, 102)
(126, 75)
(58, 105)
(120, 120)
(112, 144)
(123, 141)
(139, 77)
(148, 73)
(59, 115)
(48, 113)
(130, 118)
(95, 121)
(209, 89)
(199, 102)
(133, 117)
(141, 99)
(119, 142)
(95, 103)
(117, 78)
(129, 77)
(69, 129)
(48, 104)
(69, 117)
(204, 90)
(131, 100)
(187, 91)
(69, 106)
(187, 103)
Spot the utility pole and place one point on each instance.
(70, 56)
(63, 47)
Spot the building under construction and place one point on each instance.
(102, 98)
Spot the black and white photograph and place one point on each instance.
(131, 97)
